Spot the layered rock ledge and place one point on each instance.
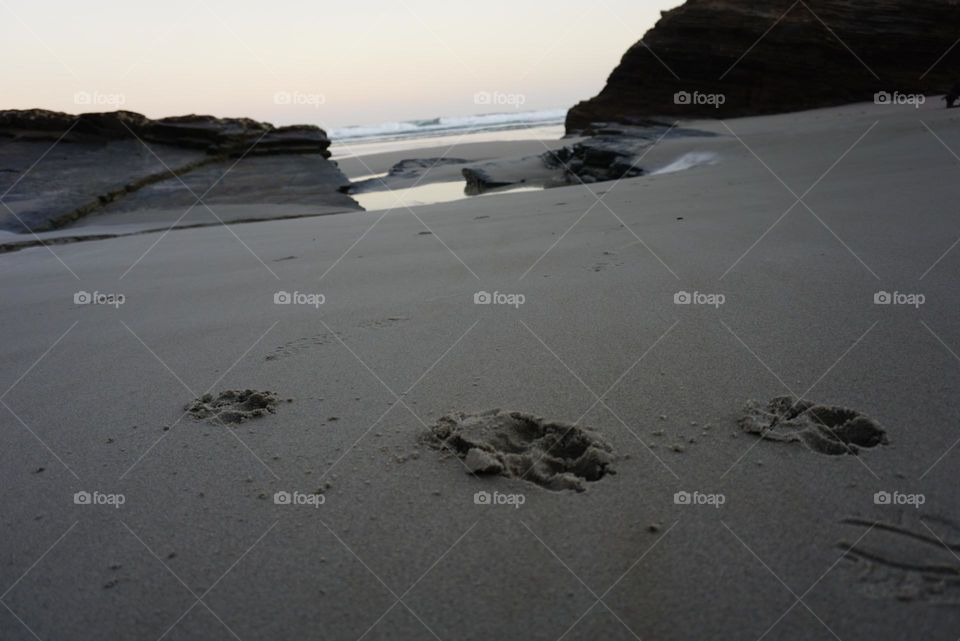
(212, 135)
(121, 168)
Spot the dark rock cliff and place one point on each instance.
(727, 58)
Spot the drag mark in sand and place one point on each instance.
(906, 564)
(233, 406)
(824, 429)
(553, 455)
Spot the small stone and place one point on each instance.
(679, 448)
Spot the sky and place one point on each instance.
(319, 62)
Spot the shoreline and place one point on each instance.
(683, 154)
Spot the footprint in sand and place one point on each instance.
(298, 345)
(233, 406)
(915, 563)
(556, 456)
(823, 428)
(294, 347)
(383, 322)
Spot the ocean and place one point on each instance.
(397, 136)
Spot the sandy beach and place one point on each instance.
(645, 312)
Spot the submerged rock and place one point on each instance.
(406, 173)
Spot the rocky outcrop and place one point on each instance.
(215, 136)
(610, 154)
(408, 173)
(589, 161)
(112, 167)
(727, 58)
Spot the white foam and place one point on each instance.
(419, 128)
(688, 161)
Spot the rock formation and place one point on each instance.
(99, 166)
(609, 154)
(728, 58)
(230, 136)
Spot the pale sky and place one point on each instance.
(320, 62)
